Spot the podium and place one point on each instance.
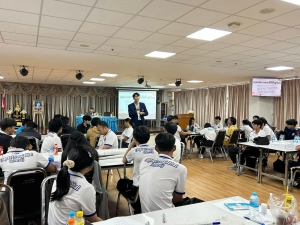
(183, 120)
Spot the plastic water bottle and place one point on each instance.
(250, 139)
(295, 140)
(51, 155)
(273, 138)
(71, 219)
(254, 206)
(79, 219)
(281, 137)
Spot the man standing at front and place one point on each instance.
(137, 111)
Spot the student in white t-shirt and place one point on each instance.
(162, 181)
(71, 191)
(172, 128)
(127, 134)
(174, 119)
(217, 125)
(209, 136)
(55, 128)
(141, 136)
(108, 138)
(17, 158)
(247, 128)
(267, 129)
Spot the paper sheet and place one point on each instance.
(119, 221)
(120, 151)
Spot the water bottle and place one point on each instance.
(295, 140)
(250, 139)
(273, 138)
(71, 219)
(281, 137)
(51, 155)
(254, 206)
(79, 219)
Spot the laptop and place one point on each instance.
(106, 113)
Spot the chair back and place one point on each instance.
(233, 139)
(273, 128)
(64, 140)
(26, 184)
(46, 188)
(182, 145)
(119, 140)
(219, 141)
(96, 142)
(34, 142)
(7, 193)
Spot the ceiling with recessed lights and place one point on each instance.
(54, 39)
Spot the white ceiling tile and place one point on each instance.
(285, 34)
(147, 24)
(279, 46)
(252, 59)
(290, 58)
(179, 29)
(30, 6)
(234, 38)
(106, 53)
(216, 54)
(79, 49)
(131, 34)
(202, 17)
(235, 49)
(213, 46)
(76, 44)
(162, 38)
(189, 62)
(53, 41)
(261, 29)
(126, 6)
(65, 10)
(200, 59)
(165, 10)
(223, 24)
(187, 42)
(19, 37)
(195, 52)
(51, 46)
(294, 50)
(235, 57)
(98, 29)
(61, 34)
(60, 24)
(190, 2)
(18, 28)
(120, 42)
(229, 6)
(147, 46)
(288, 19)
(171, 48)
(19, 17)
(274, 55)
(89, 38)
(81, 2)
(182, 57)
(108, 17)
(280, 6)
(108, 48)
(136, 52)
(256, 52)
(258, 42)
(294, 40)
(20, 43)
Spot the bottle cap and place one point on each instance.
(289, 198)
(71, 221)
(254, 193)
(79, 214)
(71, 214)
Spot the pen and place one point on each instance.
(164, 218)
(213, 223)
(253, 220)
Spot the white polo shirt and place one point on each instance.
(179, 130)
(269, 131)
(261, 133)
(50, 140)
(110, 139)
(209, 133)
(160, 176)
(247, 129)
(137, 154)
(16, 159)
(81, 197)
(177, 152)
(218, 126)
(128, 134)
(196, 126)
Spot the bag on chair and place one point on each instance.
(251, 161)
(261, 141)
(279, 165)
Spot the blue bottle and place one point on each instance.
(273, 138)
(281, 137)
(51, 155)
(254, 206)
(250, 139)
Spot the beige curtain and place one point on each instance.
(238, 102)
(287, 106)
(217, 97)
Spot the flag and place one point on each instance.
(3, 101)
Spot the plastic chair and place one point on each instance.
(8, 197)
(26, 185)
(46, 188)
(294, 171)
(64, 140)
(218, 144)
(34, 142)
(273, 128)
(233, 139)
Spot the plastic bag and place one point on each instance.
(283, 214)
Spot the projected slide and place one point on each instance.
(147, 97)
(266, 87)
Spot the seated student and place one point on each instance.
(108, 138)
(90, 112)
(55, 128)
(289, 131)
(24, 122)
(193, 126)
(66, 128)
(217, 125)
(7, 126)
(172, 128)
(127, 133)
(141, 136)
(85, 125)
(71, 191)
(209, 136)
(232, 126)
(11, 160)
(255, 117)
(267, 129)
(93, 132)
(174, 119)
(225, 126)
(30, 130)
(247, 128)
(247, 151)
(165, 176)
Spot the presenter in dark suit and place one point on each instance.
(137, 111)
